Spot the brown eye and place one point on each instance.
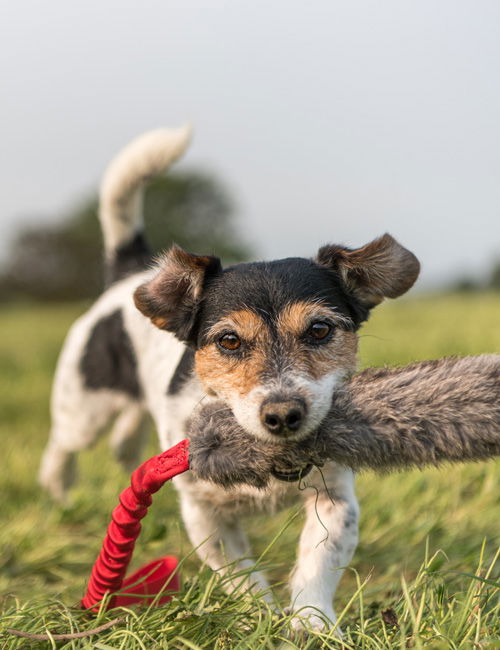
(319, 331)
(229, 342)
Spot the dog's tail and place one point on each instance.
(121, 197)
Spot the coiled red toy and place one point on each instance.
(108, 572)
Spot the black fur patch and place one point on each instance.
(129, 258)
(109, 360)
(183, 372)
(268, 287)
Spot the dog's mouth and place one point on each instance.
(290, 475)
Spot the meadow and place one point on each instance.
(425, 575)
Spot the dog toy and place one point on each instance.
(426, 413)
(116, 552)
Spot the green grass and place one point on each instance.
(428, 539)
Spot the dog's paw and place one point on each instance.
(57, 474)
(308, 620)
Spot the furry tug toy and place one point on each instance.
(426, 413)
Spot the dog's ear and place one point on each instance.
(172, 297)
(381, 269)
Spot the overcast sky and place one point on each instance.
(328, 121)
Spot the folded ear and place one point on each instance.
(381, 269)
(171, 299)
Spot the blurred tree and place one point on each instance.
(494, 281)
(466, 284)
(64, 261)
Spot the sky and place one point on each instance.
(328, 121)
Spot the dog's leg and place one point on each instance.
(78, 418)
(129, 435)
(327, 544)
(221, 543)
(57, 469)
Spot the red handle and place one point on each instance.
(109, 569)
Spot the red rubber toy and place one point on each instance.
(108, 572)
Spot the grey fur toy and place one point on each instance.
(426, 413)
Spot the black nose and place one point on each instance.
(280, 416)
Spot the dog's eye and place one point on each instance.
(319, 331)
(229, 342)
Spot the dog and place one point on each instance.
(273, 340)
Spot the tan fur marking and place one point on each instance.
(244, 322)
(159, 322)
(315, 362)
(226, 374)
(297, 317)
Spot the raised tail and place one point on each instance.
(121, 196)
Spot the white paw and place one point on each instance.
(314, 619)
(57, 475)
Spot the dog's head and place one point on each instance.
(275, 339)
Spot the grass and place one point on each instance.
(425, 574)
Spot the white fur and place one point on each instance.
(317, 396)
(211, 514)
(122, 186)
(326, 546)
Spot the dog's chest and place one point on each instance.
(242, 499)
(246, 499)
